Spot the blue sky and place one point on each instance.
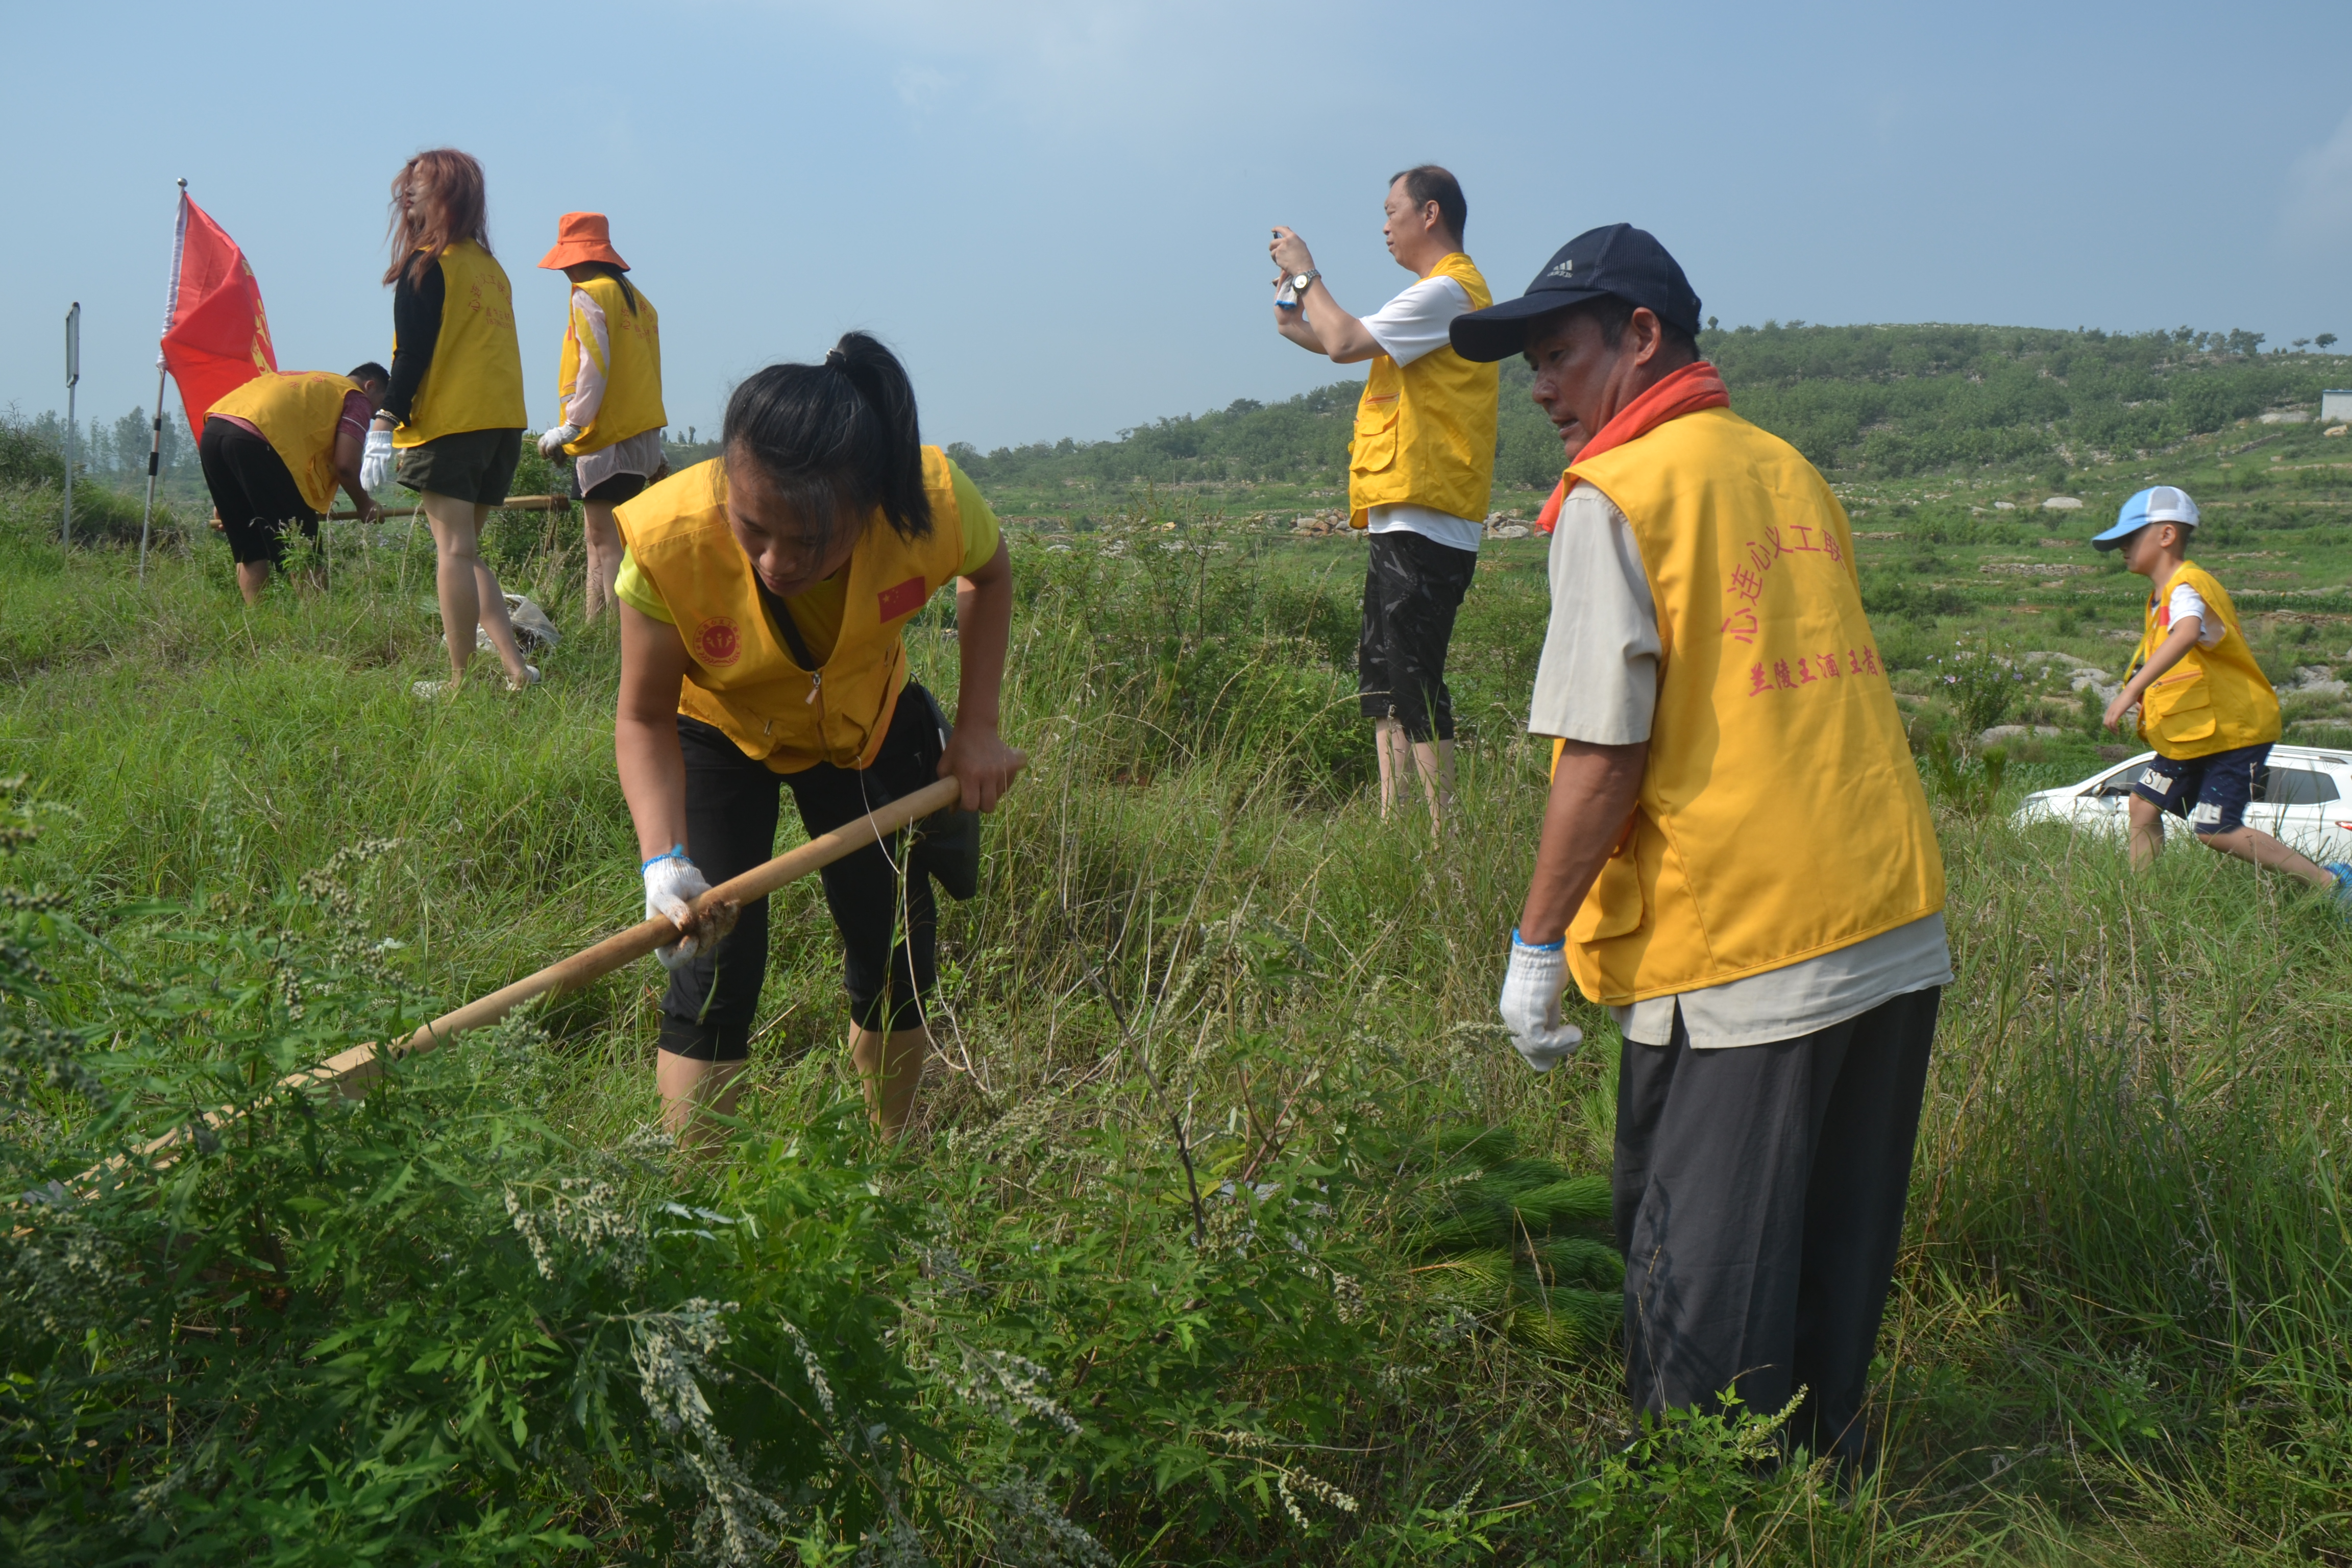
(1057, 210)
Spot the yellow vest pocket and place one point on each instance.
(2179, 710)
(1375, 445)
(1617, 904)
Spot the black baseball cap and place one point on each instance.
(1617, 259)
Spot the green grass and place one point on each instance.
(2119, 1323)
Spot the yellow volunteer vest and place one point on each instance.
(2216, 699)
(743, 679)
(296, 414)
(1425, 431)
(1779, 815)
(633, 399)
(475, 382)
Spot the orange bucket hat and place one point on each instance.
(582, 237)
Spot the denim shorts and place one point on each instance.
(2210, 791)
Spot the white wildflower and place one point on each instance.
(1007, 1385)
(900, 1546)
(738, 1523)
(1030, 1530)
(587, 1214)
(810, 1365)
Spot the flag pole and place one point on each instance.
(156, 443)
(73, 379)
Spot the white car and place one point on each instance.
(2302, 797)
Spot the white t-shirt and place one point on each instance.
(1417, 321)
(2187, 601)
(1597, 682)
(1407, 327)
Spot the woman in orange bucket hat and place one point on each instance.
(610, 381)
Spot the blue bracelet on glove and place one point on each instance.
(678, 852)
(1537, 946)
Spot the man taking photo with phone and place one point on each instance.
(1421, 467)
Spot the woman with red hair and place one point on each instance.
(455, 413)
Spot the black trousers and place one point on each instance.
(256, 497)
(889, 943)
(1759, 1198)
(1412, 587)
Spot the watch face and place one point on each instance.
(1302, 280)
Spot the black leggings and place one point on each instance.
(732, 808)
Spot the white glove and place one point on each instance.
(375, 462)
(672, 884)
(1530, 1004)
(555, 440)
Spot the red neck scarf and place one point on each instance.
(1695, 386)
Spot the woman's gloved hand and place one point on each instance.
(672, 884)
(375, 460)
(1530, 1004)
(555, 440)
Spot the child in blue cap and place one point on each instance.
(2205, 705)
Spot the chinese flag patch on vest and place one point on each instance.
(904, 599)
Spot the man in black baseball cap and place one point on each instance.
(1617, 262)
(1736, 859)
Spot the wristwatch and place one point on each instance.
(1301, 281)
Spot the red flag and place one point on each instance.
(215, 333)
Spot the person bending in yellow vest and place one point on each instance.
(1736, 859)
(1421, 467)
(763, 596)
(273, 451)
(2204, 704)
(610, 381)
(455, 413)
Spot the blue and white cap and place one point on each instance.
(2158, 503)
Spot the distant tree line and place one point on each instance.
(33, 451)
(1890, 400)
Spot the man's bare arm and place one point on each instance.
(1336, 333)
(1297, 329)
(1592, 794)
(1327, 329)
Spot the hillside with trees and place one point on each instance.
(1875, 401)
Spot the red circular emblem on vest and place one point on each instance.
(718, 642)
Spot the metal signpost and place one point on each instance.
(73, 376)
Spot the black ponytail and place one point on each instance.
(835, 437)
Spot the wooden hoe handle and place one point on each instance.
(352, 1070)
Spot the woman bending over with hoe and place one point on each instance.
(610, 381)
(763, 598)
(455, 413)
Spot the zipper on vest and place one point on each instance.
(816, 680)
